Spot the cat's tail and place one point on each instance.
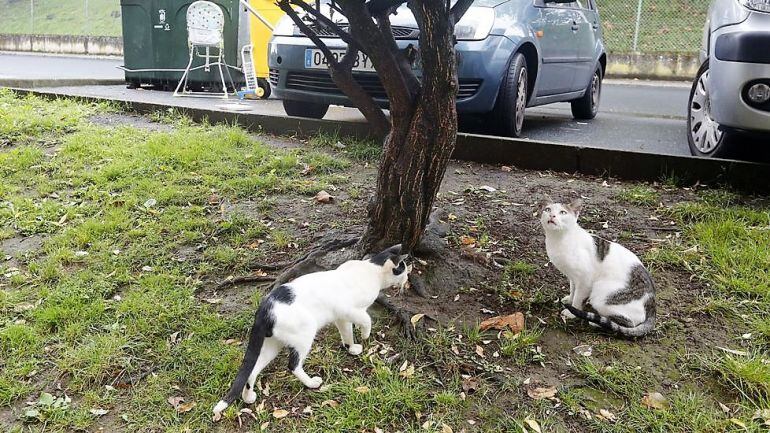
(259, 331)
(639, 330)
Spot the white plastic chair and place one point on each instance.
(205, 26)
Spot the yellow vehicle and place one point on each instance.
(263, 15)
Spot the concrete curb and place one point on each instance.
(524, 154)
(36, 83)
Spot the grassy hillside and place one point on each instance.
(61, 17)
(667, 25)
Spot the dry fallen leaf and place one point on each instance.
(175, 401)
(280, 413)
(467, 240)
(362, 389)
(533, 425)
(446, 429)
(583, 350)
(479, 351)
(513, 321)
(506, 169)
(185, 407)
(541, 393)
(416, 318)
(324, 197)
(264, 426)
(470, 385)
(408, 372)
(99, 412)
(330, 403)
(655, 400)
(609, 416)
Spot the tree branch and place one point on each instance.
(403, 57)
(377, 6)
(459, 9)
(341, 72)
(324, 20)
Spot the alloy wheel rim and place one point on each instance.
(704, 130)
(595, 92)
(521, 99)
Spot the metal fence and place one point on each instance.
(647, 26)
(653, 26)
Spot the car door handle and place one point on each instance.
(575, 27)
(595, 26)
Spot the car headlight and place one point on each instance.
(757, 5)
(476, 24)
(284, 27)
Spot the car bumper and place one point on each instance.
(481, 66)
(740, 58)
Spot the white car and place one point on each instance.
(730, 98)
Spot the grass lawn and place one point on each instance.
(61, 17)
(115, 231)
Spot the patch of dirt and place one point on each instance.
(12, 249)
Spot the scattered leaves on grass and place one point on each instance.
(179, 404)
(406, 370)
(541, 393)
(280, 413)
(513, 321)
(763, 415)
(655, 400)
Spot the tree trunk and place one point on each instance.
(421, 140)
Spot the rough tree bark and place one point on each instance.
(423, 117)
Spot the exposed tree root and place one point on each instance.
(404, 316)
(244, 279)
(417, 283)
(311, 262)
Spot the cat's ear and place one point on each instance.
(575, 206)
(389, 254)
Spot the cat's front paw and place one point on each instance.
(365, 333)
(566, 300)
(249, 396)
(314, 382)
(355, 349)
(567, 315)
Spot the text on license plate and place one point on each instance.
(315, 59)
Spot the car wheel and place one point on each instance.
(511, 102)
(587, 106)
(313, 110)
(705, 136)
(264, 85)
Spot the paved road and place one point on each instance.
(644, 116)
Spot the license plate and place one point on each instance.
(315, 59)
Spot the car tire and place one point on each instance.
(705, 136)
(264, 85)
(508, 113)
(586, 107)
(312, 110)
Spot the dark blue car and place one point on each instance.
(512, 54)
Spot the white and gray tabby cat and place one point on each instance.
(292, 314)
(606, 274)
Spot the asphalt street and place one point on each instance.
(643, 116)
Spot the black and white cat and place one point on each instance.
(292, 314)
(606, 274)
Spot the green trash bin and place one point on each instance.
(155, 50)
